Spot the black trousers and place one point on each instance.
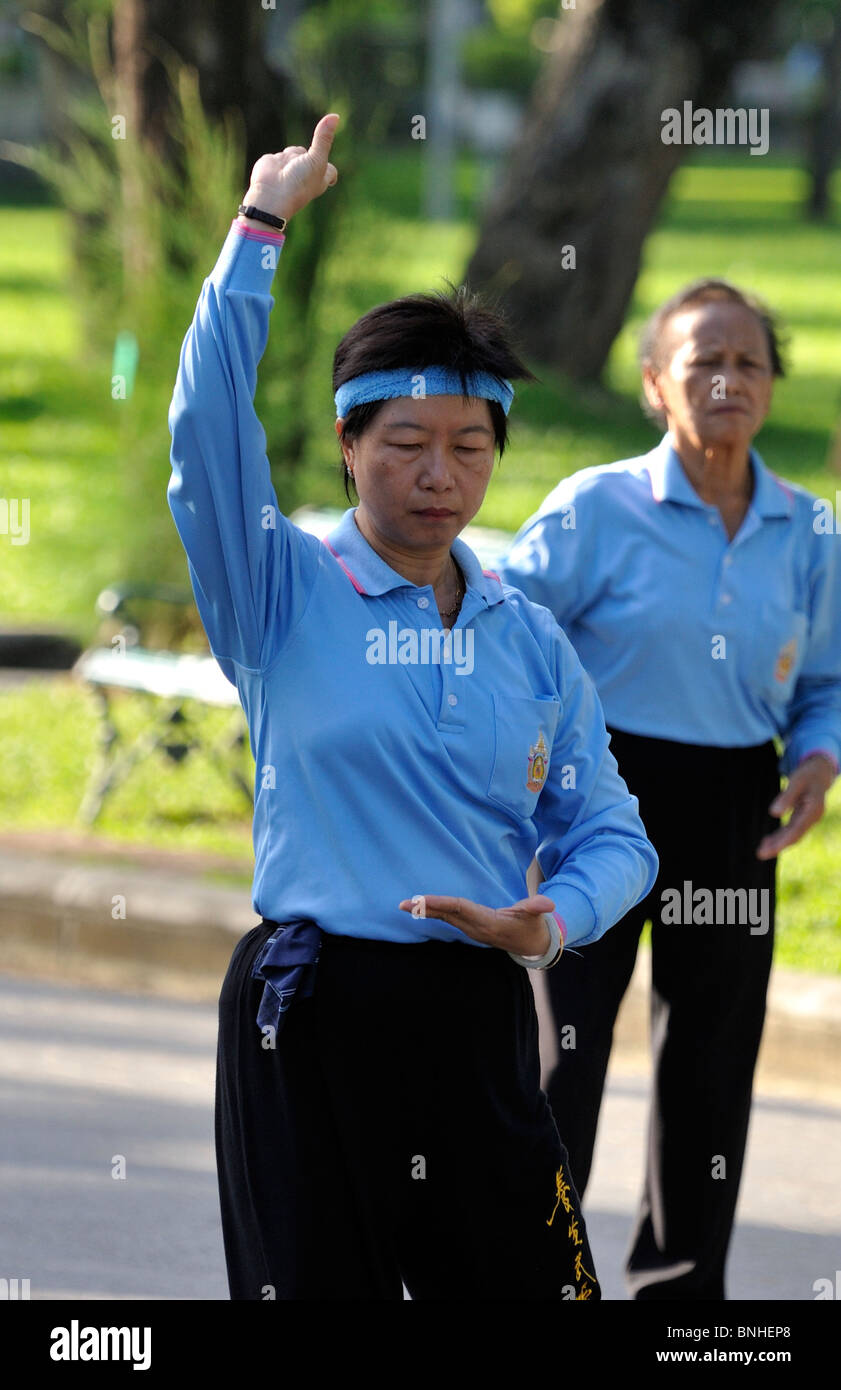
(396, 1133)
(705, 810)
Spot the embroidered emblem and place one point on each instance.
(538, 764)
(785, 661)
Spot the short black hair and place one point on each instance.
(452, 328)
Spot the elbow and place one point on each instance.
(650, 865)
(172, 489)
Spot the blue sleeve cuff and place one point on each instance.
(804, 744)
(248, 259)
(575, 910)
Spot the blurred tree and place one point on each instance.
(503, 56)
(225, 42)
(164, 108)
(222, 39)
(376, 87)
(825, 125)
(561, 238)
(151, 153)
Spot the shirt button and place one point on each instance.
(725, 598)
(728, 559)
(423, 603)
(452, 699)
(711, 520)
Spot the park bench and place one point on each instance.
(169, 681)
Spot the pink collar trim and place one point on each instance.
(354, 581)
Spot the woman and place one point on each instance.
(707, 609)
(379, 1117)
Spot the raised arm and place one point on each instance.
(251, 569)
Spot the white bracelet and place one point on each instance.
(549, 956)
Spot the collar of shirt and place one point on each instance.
(371, 576)
(669, 483)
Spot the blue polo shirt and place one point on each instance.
(388, 764)
(687, 634)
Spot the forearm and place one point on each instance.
(220, 494)
(600, 881)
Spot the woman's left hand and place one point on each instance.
(519, 928)
(805, 797)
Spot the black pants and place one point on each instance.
(396, 1133)
(705, 811)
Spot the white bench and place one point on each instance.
(170, 681)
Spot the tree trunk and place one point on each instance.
(589, 168)
(825, 127)
(223, 40)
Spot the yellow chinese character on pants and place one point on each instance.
(561, 1189)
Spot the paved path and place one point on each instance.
(788, 1230)
(86, 1076)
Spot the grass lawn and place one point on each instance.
(63, 449)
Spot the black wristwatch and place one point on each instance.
(246, 210)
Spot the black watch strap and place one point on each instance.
(247, 210)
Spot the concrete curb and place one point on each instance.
(179, 929)
(57, 917)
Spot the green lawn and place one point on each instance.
(63, 448)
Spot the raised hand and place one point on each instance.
(284, 183)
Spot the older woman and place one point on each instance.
(419, 731)
(707, 608)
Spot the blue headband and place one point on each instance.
(418, 383)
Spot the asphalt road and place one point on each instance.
(89, 1079)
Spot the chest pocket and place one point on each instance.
(524, 730)
(778, 648)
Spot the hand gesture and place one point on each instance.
(284, 183)
(805, 798)
(519, 928)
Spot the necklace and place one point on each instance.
(448, 612)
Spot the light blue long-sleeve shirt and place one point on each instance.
(382, 772)
(686, 634)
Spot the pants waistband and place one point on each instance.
(333, 940)
(750, 754)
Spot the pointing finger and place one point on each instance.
(322, 137)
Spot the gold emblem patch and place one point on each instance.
(785, 661)
(538, 764)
